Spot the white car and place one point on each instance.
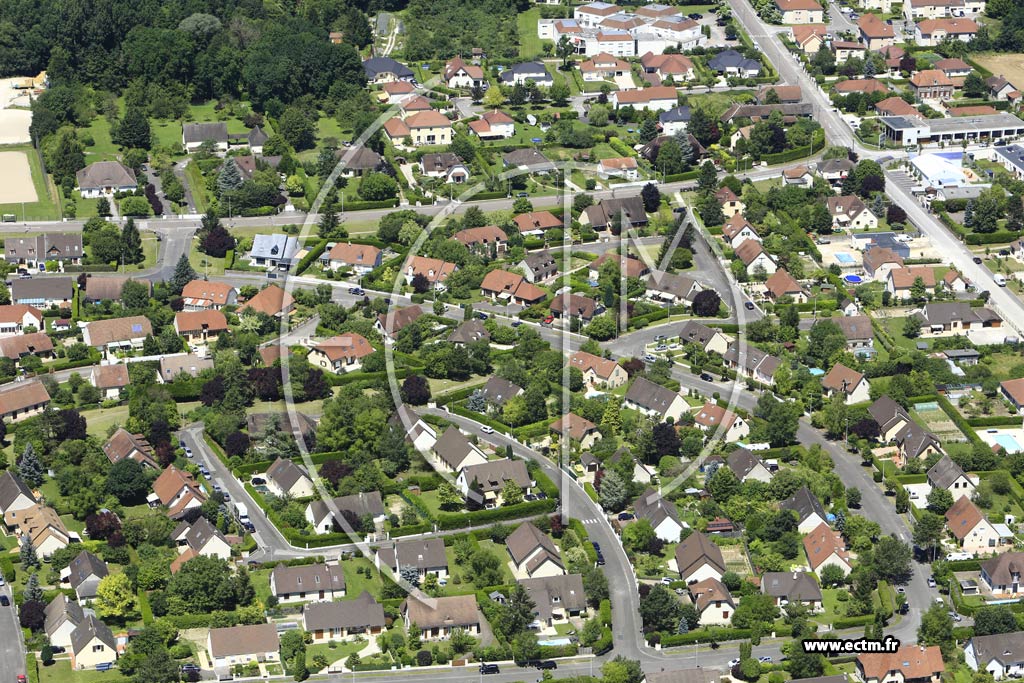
(487, 429)
(188, 452)
(733, 662)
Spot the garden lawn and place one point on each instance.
(168, 133)
(833, 608)
(101, 419)
(194, 177)
(895, 328)
(339, 651)
(530, 45)
(206, 112)
(103, 147)
(443, 386)
(356, 582)
(206, 265)
(467, 585)
(61, 672)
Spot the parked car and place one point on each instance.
(666, 580)
(489, 669)
(356, 291)
(482, 316)
(696, 16)
(977, 259)
(706, 377)
(548, 320)
(625, 516)
(517, 323)
(733, 662)
(749, 305)
(487, 429)
(931, 582)
(188, 452)
(546, 664)
(258, 481)
(649, 358)
(765, 660)
(5, 601)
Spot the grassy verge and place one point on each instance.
(197, 186)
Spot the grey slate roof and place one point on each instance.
(562, 592)
(944, 472)
(741, 461)
(491, 476)
(804, 504)
(61, 609)
(731, 59)
(675, 115)
(655, 509)
(90, 628)
(47, 288)
(498, 390)
(423, 554)
(696, 333)
(1005, 648)
(378, 65)
(651, 396)
(201, 132)
(793, 586)
(453, 448)
(527, 539)
(285, 473)
(308, 578)
(101, 174)
(12, 486)
(277, 246)
(469, 332)
(363, 612)
(85, 567)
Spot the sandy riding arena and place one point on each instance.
(16, 179)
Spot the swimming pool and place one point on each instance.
(853, 279)
(843, 257)
(554, 642)
(1008, 442)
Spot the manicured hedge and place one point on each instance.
(462, 520)
(362, 206)
(998, 237)
(957, 419)
(994, 421)
(314, 253)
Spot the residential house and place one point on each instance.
(674, 66)
(860, 335)
(556, 600)
(1001, 655)
(621, 211)
(931, 32)
(274, 251)
(14, 493)
(198, 539)
(931, 84)
(84, 574)
(453, 452)
(386, 70)
(810, 37)
(909, 664)
(16, 318)
(104, 178)
(756, 364)
(520, 74)
(844, 49)
(23, 400)
(890, 417)
(568, 305)
(895, 106)
(835, 170)
(824, 548)
(43, 528)
(620, 167)
(200, 328)
(864, 86)
(118, 334)
(793, 588)
(846, 382)
(800, 11)
(123, 444)
(592, 14)
(1012, 390)
(533, 553)
(177, 491)
(973, 532)
(738, 230)
(654, 400)
(786, 94)
(312, 582)
(172, 367)
(1001, 89)
(285, 478)
(713, 601)
(434, 270)
(874, 32)
(438, 617)
(603, 67)
(353, 509)
(497, 391)
(43, 293)
(445, 165)
(63, 616)
(536, 223)
(673, 289)
(808, 509)
(329, 622)
(710, 340)
(395, 320)
(488, 480)
(92, 644)
(732, 63)
(715, 420)
(243, 645)
(37, 250)
(489, 240)
(36, 344)
(662, 514)
(955, 282)
(201, 295)
(511, 288)
(426, 555)
(655, 98)
(748, 467)
(341, 353)
(579, 430)
(698, 558)
(459, 74)
(271, 300)
(417, 432)
(942, 318)
(1002, 574)
(781, 284)
(731, 204)
(538, 266)
(109, 379)
(800, 176)
(673, 121)
(933, 9)
(469, 332)
(599, 372)
(850, 213)
(629, 266)
(359, 258)
(878, 261)
(962, 357)
(358, 161)
(755, 258)
(916, 442)
(901, 281)
(493, 125)
(426, 127)
(214, 134)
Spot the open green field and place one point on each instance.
(101, 419)
(45, 208)
(103, 147)
(529, 44)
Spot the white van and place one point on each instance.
(1000, 280)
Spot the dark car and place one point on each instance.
(706, 377)
(600, 560)
(977, 259)
(544, 664)
(489, 669)
(597, 546)
(517, 323)
(696, 16)
(749, 305)
(185, 668)
(482, 316)
(5, 601)
(356, 291)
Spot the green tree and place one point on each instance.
(127, 481)
(835, 416)
(65, 157)
(939, 500)
(929, 530)
(994, 620)
(230, 177)
(511, 493)
(937, 629)
(29, 467)
(183, 274)
(377, 187)
(704, 128)
(638, 535)
(297, 128)
(613, 492)
(27, 553)
(131, 243)
(757, 608)
(890, 560)
(133, 130)
(660, 610)
(33, 592)
(114, 596)
(622, 670)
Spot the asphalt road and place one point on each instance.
(12, 648)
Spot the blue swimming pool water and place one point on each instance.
(853, 279)
(843, 257)
(1008, 442)
(555, 642)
